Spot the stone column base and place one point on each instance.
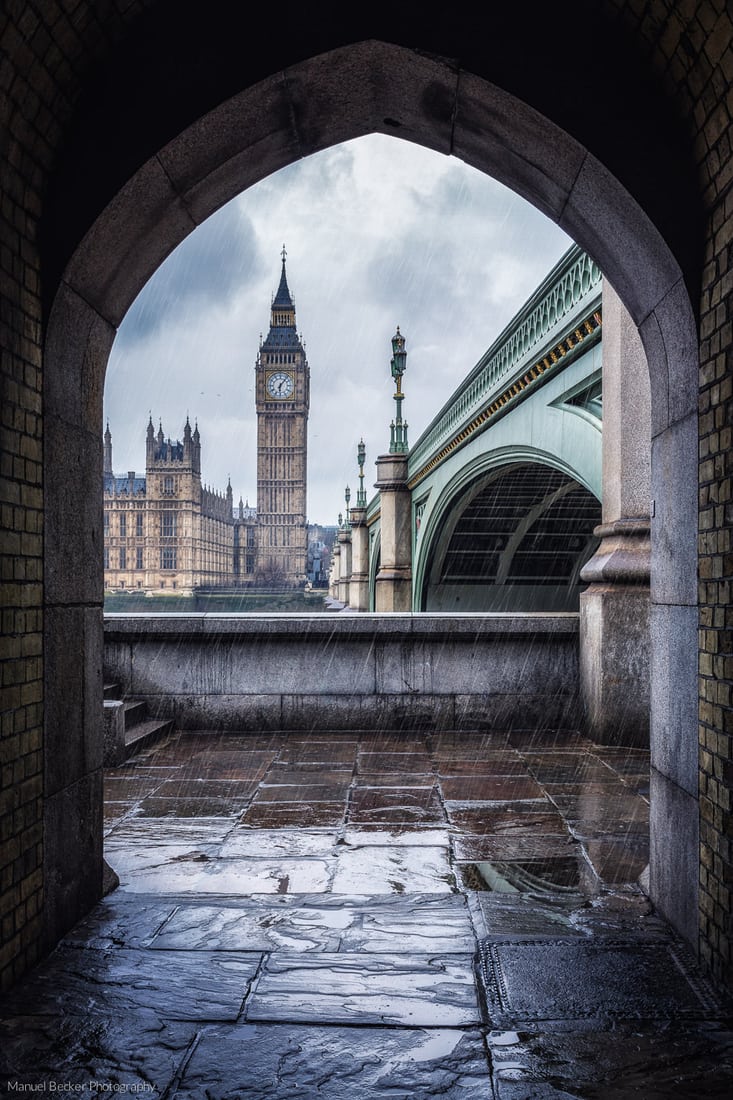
(614, 663)
(359, 592)
(614, 635)
(393, 590)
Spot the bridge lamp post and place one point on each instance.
(393, 585)
(361, 499)
(359, 583)
(398, 429)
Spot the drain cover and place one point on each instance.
(570, 979)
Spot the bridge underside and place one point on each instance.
(515, 540)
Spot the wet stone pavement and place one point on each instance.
(373, 916)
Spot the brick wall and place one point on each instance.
(21, 533)
(44, 48)
(713, 113)
(691, 49)
(47, 47)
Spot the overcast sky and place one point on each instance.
(378, 233)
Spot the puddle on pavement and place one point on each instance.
(549, 876)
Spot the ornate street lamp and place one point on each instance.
(398, 430)
(347, 498)
(361, 499)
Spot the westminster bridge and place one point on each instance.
(515, 501)
(505, 484)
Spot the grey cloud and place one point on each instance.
(209, 267)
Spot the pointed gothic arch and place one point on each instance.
(158, 190)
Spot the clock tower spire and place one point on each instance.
(282, 389)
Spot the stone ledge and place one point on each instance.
(393, 624)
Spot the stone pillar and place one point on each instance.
(394, 579)
(333, 581)
(344, 538)
(614, 609)
(114, 732)
(359, 587)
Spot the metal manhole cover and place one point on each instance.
(568, 979)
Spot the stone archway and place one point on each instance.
(514, 539)
(349, 91)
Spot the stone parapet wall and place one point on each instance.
(345, 672)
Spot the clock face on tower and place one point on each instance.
(280, 385)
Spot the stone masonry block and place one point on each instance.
(114, 732)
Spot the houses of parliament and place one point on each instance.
(165, 531)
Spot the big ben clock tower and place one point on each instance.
(282, 389)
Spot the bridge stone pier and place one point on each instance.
(359, 583)
(344, 564)
(393, 587)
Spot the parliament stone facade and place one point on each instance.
(166, 532)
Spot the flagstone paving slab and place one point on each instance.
(114, 812)
(395, 779)
(618, 859)
(311, 771)
(436, 991)
(326, 752)
(506, 821)
(403, 762)
(276, 1062)
(129, 788)
(159, 863)
(121, 920)
(189, 807)
(227, 789)
(95, 1053)
(483, 788)
(179, 985)
(385, 742)
(202, 874)
(419, 923)
(266, 843)
(256, 926)
(411, 835)
(142, 831)
(310, 775)
(297, 792)
(273, 815)
(482, 767)
(370, 804)
(509, 920)
(393, 870)
(529, 876)
(471, 847)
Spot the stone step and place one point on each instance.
(111, 691)
(136, 710)
(146, 733)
